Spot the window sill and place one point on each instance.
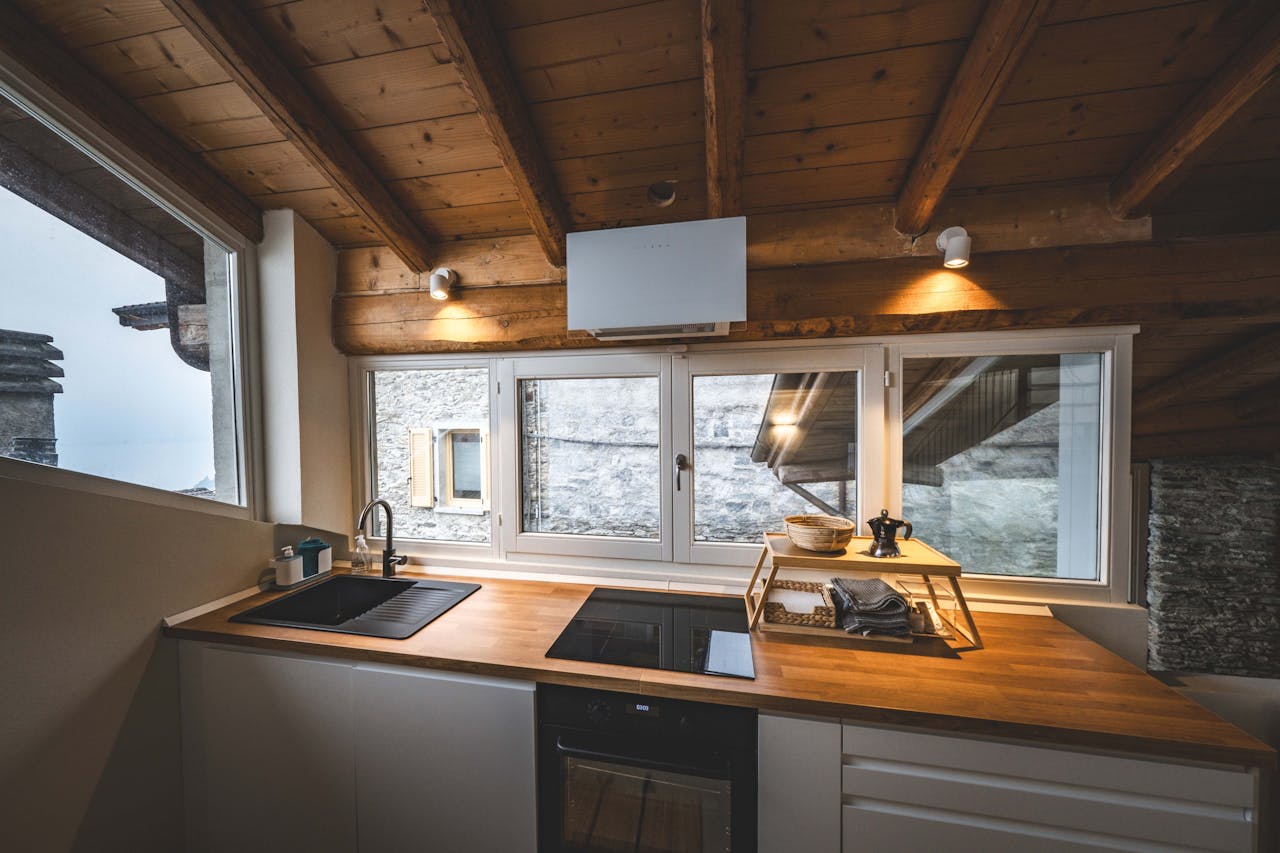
(44, 475)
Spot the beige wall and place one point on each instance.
(306, 425)
(89, 720)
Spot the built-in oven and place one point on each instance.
(624, 772)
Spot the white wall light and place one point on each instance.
(442, 280)
(954, 244)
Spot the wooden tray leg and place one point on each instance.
(748, 597)
(968, 617)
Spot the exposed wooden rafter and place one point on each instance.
(1054, 288)
(1157, 169)
(1252, 353)
(1034, 218)
(724, 84)
(233, 40)
(1003, 36)
(84, 91)
(469, 34)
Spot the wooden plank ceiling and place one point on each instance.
(840, 97)
(566, 112)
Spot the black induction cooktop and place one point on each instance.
(660, 630)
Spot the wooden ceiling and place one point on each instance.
(840, 97)
(476, 133)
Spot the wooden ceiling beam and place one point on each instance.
(1259, 350)
(1160, 166)
(1003, 36)
(469, 35)
(232, 39)
(84, 91)
(724, 84)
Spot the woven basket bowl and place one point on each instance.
(824, 533)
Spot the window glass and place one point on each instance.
(768, 445)
(589, 456)
(416, 413)
(116, 341)
(465, 465)
(1002, 461)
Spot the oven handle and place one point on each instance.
(709, 769)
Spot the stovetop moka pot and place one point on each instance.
(885, 530)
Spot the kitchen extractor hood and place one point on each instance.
(686, 279)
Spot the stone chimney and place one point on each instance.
(26, 396)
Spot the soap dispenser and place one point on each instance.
(288, 568)
(361, 559)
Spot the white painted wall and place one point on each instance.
(90, 749)
(306, 425)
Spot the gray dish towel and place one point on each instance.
(869, 607)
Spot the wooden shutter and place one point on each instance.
(421, 488)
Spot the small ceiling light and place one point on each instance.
(954, 244)
(442, 279)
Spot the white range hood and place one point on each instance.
(686, 279)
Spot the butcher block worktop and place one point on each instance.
(1036, 678)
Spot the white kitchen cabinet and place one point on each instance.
(799, 784)
(267, 751)
(444, 762)
(916, 791)
(294, 753)
(825, 788)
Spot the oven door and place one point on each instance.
(604, 793)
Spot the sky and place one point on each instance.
(130, 408)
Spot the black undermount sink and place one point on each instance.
(394, 608)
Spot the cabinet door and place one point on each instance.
(268, 751)
(799, 784)
(444, 762)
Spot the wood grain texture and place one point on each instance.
(1262, 349)
(1003, 36)
(1036, 679)
(231, 37)
(1156, 169)
(1086, 286)
(468, 33)
(724, 85)
(53, 67)
(1247, 441)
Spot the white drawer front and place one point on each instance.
(873, 827)
(1154, 778)
(1073, 798)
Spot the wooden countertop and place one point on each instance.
(1036, 679)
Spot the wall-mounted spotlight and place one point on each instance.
(442, 279)
(954, 244)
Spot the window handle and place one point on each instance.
(682, 464)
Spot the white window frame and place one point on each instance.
(443, 460)
(679, 559)
(63, 118)
(360, 382)
(870, 484)
(1116, 347)
(594, 366)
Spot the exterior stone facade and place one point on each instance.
(425, 398)
(1213, 573)
(26, 396)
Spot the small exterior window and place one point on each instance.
(462, 455)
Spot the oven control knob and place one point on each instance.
(686, 726)
(599, 711)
